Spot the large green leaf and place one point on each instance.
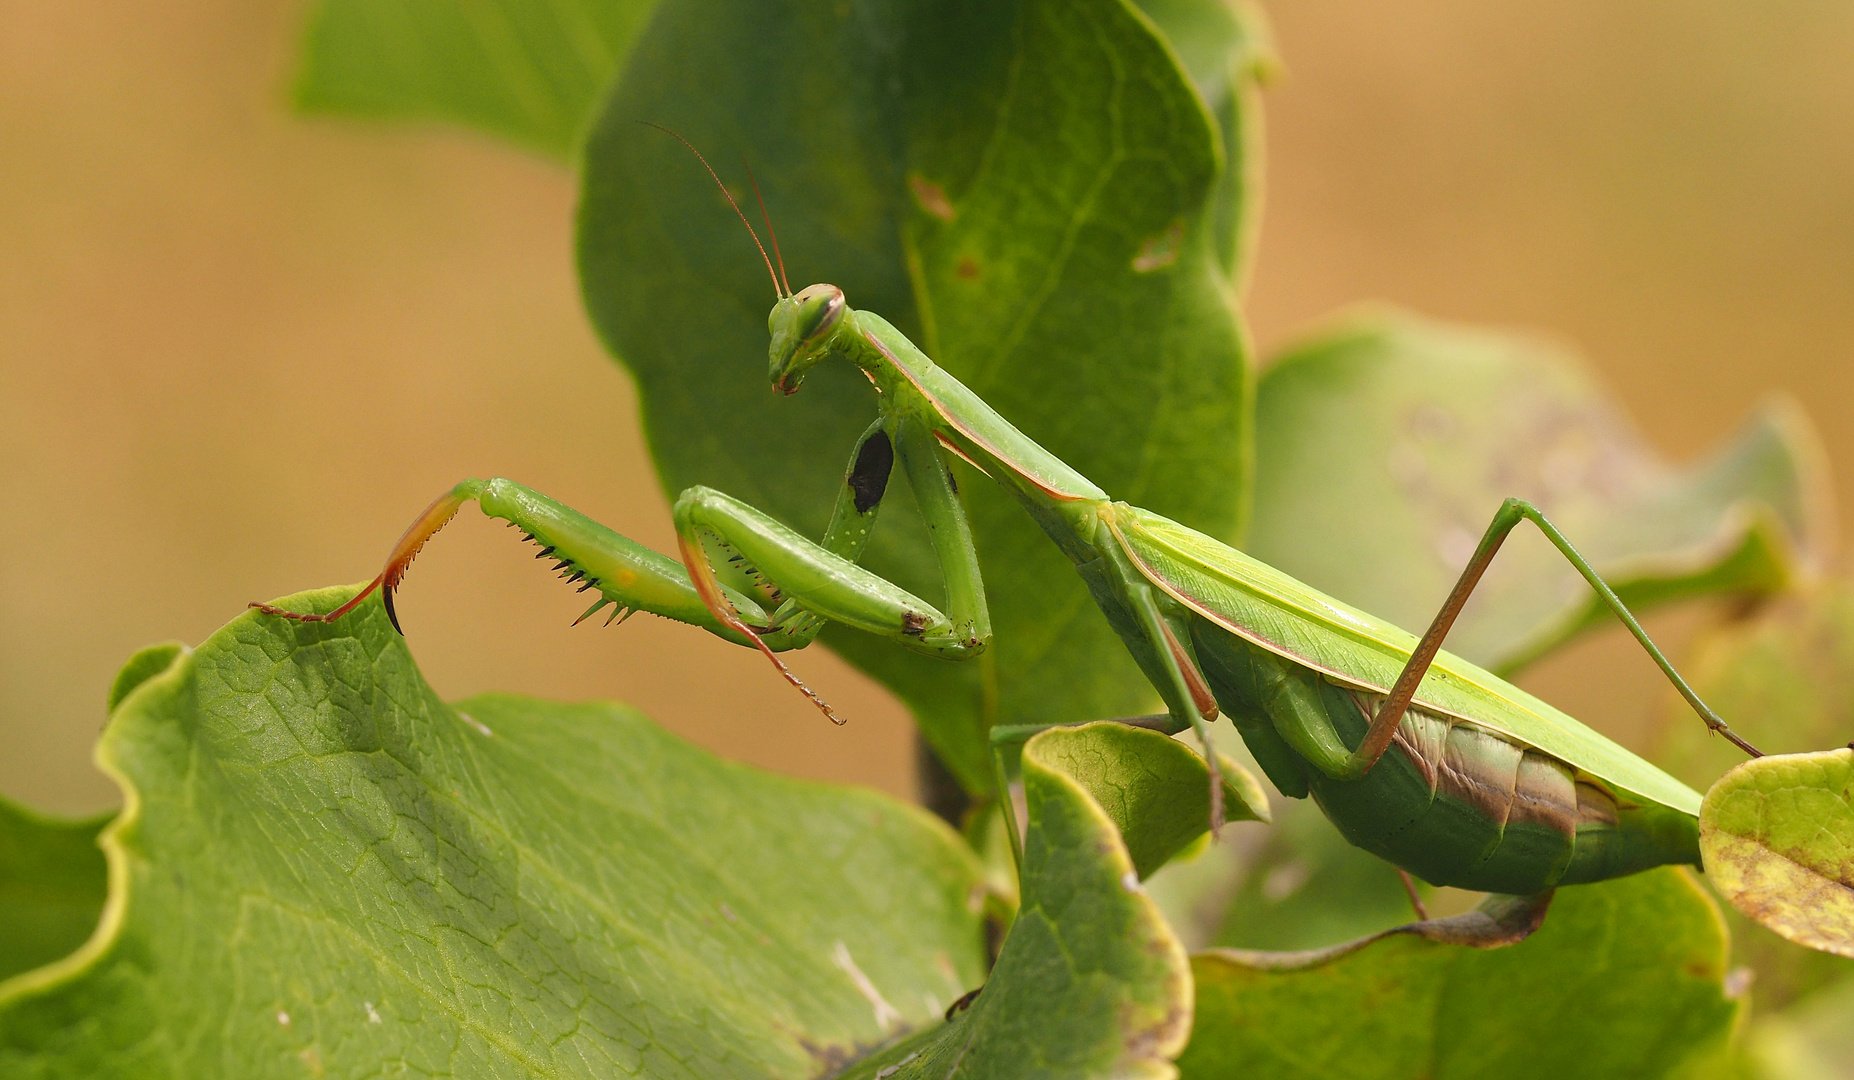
(1306, 887)
(52, 881)
(1155, 789)
(1091, 982)
(1777, 834)
(1227, 51)
(322, 869)
(1034, 192)
(1625, 980)
(530, 72)
(1386, 443)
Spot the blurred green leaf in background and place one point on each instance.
(1414, 431)
(52, 883)
(531, 73)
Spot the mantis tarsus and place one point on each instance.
(1416, 755)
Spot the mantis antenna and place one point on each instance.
(778, 290)
(771, 233)
(781, 290)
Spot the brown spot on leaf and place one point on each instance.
(931, 196)
(1160, 251)
(968, 268)
(830, 1058)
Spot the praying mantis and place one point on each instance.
(1416, 755)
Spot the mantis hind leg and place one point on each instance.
(1511, 513)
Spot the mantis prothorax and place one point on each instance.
(1416, 755)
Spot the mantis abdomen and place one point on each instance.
(1451, 801)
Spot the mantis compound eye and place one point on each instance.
(801, 327)
(820, 307)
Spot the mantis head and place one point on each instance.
(802, 328)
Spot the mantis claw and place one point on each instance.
(386, 597)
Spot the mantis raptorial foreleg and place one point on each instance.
(823, 581)
(816, 579)
(810, 583)
(628, 576)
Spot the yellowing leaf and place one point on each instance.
(1777, 833)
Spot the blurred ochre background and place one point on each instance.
(238, 349)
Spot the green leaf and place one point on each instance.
(1228, 51)
(322, 868)
(1625, 980)
(532, 73)
(1155, 789)
(1090, 982)
(1028, 189)
(1777, 834)
(52, 881)
(1306, 888)
(1386, 443)
(144, 665)
(1813, 1041)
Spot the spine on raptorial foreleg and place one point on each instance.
(627, 576)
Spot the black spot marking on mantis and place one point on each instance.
(868, 478)
(965, 1002)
